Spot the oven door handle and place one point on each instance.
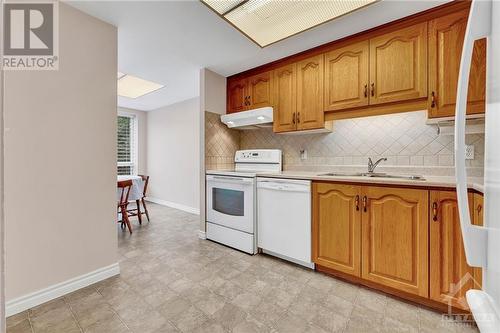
(235, 180)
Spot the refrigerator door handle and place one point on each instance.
(475, 238)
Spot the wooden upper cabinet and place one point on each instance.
(395, 238)
(446, 37)
(259, 90)
(398, 65)
(237, 95)
(398, 69)
(284, 99)
(346, 77)
(450, 276)
(310, 84)
(337, 227)
(249, 93)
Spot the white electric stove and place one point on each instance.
(231, 198)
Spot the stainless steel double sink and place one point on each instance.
(372, 174)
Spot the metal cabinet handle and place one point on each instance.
(366, 90)
(293, 118)
(357, 203)
(365, 202)
(249, 100)
(479, 209)
(434, 211)
(372, 89)
(298, 117)
(433, 99)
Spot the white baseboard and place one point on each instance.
(202, 234)
(170, 204)
(31, 300)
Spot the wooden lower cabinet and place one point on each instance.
(395, 238)
(376, 233)
(337, 227)
(404, 241)
(450, 276)
(478, 219)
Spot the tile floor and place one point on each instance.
(171, 281)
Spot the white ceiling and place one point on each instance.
(170, 41)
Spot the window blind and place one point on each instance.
(126, 153)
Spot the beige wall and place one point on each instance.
(173, 152)
(60, 160)
(142, 145)
(214, 92)
(212, 102)
(2, 225)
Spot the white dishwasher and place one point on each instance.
(284, 219)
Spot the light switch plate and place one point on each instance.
(469, 152)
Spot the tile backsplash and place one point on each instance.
(220, 143)
(404, 138)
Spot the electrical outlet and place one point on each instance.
(469, 152)
(303, 154)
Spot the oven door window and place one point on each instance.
(229, 202)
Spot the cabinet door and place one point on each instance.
(398, 65)
(450, 276)
(478, 209)
(310, 93)
(346, 77)
(446, 37)
(284, 99)
(259, 90)
(395, 238)
(337, 227)
(478, 219)
(237, 96)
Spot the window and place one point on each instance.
(126, 145)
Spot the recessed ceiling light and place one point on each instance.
(132, 86)
(268, 21)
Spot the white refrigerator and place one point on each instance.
(482, 244)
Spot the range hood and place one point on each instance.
(251, 119)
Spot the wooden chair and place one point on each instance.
(124, 187)
(137, 211)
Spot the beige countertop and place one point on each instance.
(475, 183)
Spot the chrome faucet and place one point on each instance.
(372, 166)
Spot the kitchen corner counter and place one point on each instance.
(474, 183)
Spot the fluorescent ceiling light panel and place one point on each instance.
(132, 87)
(268, 21)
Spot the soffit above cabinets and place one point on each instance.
(268, 21)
